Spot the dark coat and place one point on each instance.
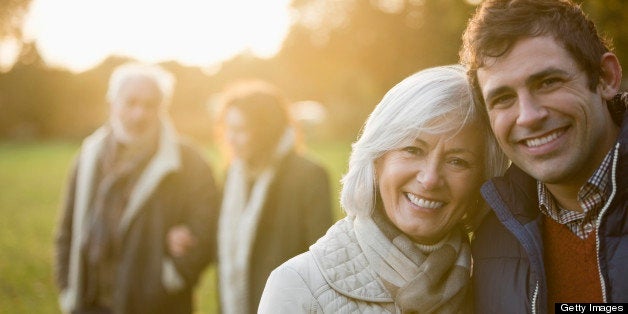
(508, 269)
(297, 212)
(179, 190)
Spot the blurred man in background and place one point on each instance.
(138, 223)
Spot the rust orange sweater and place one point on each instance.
(570, 265)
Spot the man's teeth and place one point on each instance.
(423, 202)
(542, 140)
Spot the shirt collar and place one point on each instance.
(591, 195)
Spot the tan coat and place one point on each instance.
(176, 187)
(333, 277)
(296, 212)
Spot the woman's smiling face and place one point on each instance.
(427, 185)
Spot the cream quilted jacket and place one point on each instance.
(332, 277)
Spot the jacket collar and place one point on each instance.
(513, 194)
(166, 160)
(344, 265)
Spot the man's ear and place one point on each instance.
(610, 76)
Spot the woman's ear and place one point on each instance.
(610, 76)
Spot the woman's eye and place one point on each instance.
(411, 150)
(459, 162)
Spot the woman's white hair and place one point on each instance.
(435, 101)
(163, 79)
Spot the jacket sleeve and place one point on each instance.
(287, 292)
(63, 237)
(199, 212)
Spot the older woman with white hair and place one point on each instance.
(412, 194)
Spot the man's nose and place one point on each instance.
(531, 111)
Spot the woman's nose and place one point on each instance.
(429, 175)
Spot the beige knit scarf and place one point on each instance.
(421, 279)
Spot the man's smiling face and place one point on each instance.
(545, 117)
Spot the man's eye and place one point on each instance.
(502, 101)
(550, 82)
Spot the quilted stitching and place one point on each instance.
(334, 302)
(334, 278)
(345, 266)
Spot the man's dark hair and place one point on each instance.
(498, 24)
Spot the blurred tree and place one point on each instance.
(21, 96)
(344, 54)
(11, 18)
(610, 16)
(347, 54)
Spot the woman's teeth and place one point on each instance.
(423, 202)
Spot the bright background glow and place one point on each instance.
(79, 34)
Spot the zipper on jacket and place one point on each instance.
(535, 297)
(599, 220)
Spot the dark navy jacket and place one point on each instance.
(508, 270)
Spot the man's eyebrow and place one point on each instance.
(529, 81)
(545, 73)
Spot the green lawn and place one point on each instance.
(32, 179)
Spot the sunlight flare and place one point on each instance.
(79, 34)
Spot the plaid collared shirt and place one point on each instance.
(591, 197)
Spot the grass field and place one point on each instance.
(32, 179)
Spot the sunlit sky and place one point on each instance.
(79, 34)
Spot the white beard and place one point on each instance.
(123, 136)
(120, 133)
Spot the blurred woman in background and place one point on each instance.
(412, 193)
(276, 202)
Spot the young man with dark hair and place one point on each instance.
(558, 231)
